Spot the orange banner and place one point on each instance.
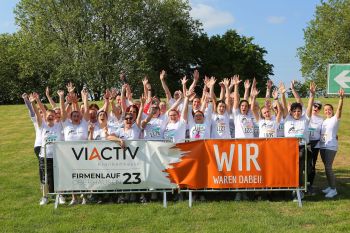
(237, 163)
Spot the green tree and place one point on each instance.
(326, 40)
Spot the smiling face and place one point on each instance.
(221, 108)
(173, 116)
(244, 107)
(196, 104)
(198, 117)
(128, 120)
(75, 117)
(50, 117)
(162, 107)
(316, 109)
(296, 113)
(328, 110)
(102, 118)
(265, 113)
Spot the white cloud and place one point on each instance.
(276, 19)
(210, 17)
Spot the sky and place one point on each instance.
(276, 25)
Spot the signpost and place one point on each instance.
(338, 76)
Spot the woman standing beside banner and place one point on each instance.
(329, 142)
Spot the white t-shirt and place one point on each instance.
(114, 123)
(199, 131)
(50, 134)
(268, 128)
(99, 134)
(175, 132)
(129, 134)
(220, 126)
(38, 140)
(280, 127)
(297, 128)
(329, 132)
(154, 130)
(244, 126)
(315, 126)
(75, 132)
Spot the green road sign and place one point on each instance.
(338, 76)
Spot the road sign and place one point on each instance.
(338, 76)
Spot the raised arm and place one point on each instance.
(28, 105)
(38, 101)
(183, 83)
(139, 115)
(295, 93)
(145, 87)
(38, 118)
(84, 96)
(227, 95)
(195, 79)
(340, 103)
(279, 107)
(52, 103)
(122, 97)
(236, 83)
(268, 89)
(246, 89)
(184, 113)
(222, 91)
(253, 106)
(311, 99)
(60, 94)
(162, 76)
(282, 90)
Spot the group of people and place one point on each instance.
(185, 115)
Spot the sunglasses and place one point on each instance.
(317, 106)
(128, 118)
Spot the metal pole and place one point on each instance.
(164, 200)
(190, 199)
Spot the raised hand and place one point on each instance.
(24, 95)
(162, 75)
(36, 95)
(312, 88)
(143, 99)
(84, 93)
(107, 94)
(32, 98)
(246, 84)
(114, 92)
(341, 93)
(226, 82)
(255, 92)
(47, 91)
(269, 84)
(70, 87)
(236, 80)
(184, 80)
(91, 127)
(60, 93)
(275, 93)
(206, 80)
(196, 75)
(145, 80)
(292, 84)
(212, 82)
(282, 88)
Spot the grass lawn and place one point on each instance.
(20, 194)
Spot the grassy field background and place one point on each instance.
(20, 194)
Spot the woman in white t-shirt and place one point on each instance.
(267, 124)
(220, 120)
(329, 142)
(75, 128)
(296, 125)
(50, 132)
(315, 126)
(244, 125)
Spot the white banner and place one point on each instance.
(104, 165)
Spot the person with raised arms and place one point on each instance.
(329, 142)
(75, 128)
(50, 132)
(267, 124)
(296, 125)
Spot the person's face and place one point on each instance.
(196, 103)
(102, 117)
(244, 108)
(162, 107)
(221, 108)
(198, 118)
(328, 111)
(118, 99)
(128, 119)
(50, 116)
(57, 114)
(173, 116)
(266, 113)
(41, 114)
(93, 115)
(133, 111)
(176, 95)
(75, 118)
(296, 113)
(315, 109)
